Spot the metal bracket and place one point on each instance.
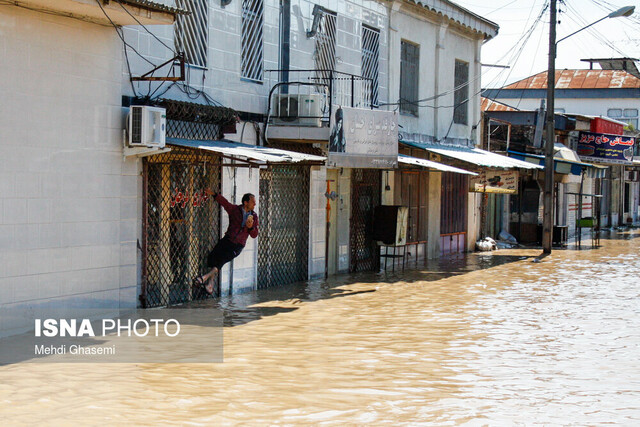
(180, 58)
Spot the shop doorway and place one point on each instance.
(453, 213)
(365, 196)
(283, 245)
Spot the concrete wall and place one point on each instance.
(69, 205)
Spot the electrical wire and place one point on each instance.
(145, 28)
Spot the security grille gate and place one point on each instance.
(283, 244)
(365, 196)
(453, 212)
(252, 18)
(180, 224)
(192, 31)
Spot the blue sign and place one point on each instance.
(605, 148)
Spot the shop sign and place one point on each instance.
(606, 148)
(504, 182)
(363, 138)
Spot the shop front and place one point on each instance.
(181, 223)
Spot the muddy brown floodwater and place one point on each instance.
(487, 339)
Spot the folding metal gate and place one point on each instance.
(365, 196)
(283, 245)
(180, 224)
(453, 213)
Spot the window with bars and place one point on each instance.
(192, 31)
(252, 53)
(461, 94)
(325, 55)
(409, 65)
(370, 57)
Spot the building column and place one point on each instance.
(433, 214)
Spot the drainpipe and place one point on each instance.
(285, 43)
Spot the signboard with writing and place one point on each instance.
(605, 148)
(505, 182)
(363, 139)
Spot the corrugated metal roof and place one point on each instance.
(160, 7)
(580, 79)
(490, 105)
(462, 16)
(480, 157)
(415, 161)
(251, 152)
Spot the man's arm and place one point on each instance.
(220, 199)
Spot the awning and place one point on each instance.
(475, 156)
(564, 166)
(415, 161)
(248, 153)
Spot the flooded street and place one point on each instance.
(491, 339)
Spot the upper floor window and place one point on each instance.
(461, 94)
(628, 115)
(409, 65)
(370, 57)
(252, 53)
(325, 55)
(192, 31)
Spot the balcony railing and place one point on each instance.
(308, 96)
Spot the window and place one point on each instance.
(627, 115)
(325, 55)
(192, 31)
(461, 95)
(252, 22)
(409, 63)
(370, 56)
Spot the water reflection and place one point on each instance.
(485, 339)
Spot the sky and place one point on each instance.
(613, 37)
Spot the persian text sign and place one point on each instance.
(505, 182)
(363, 139)
(605, 148)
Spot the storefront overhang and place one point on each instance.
(415, 161)
(563, 166)
(251, 155)
(475, 156)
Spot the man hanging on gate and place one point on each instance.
(243, 222)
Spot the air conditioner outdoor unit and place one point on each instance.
(298, 109)
(147, 126)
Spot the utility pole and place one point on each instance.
(547, 219)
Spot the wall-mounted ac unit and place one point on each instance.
(147, 126)
(298, 109)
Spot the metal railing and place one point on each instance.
(307, 98)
